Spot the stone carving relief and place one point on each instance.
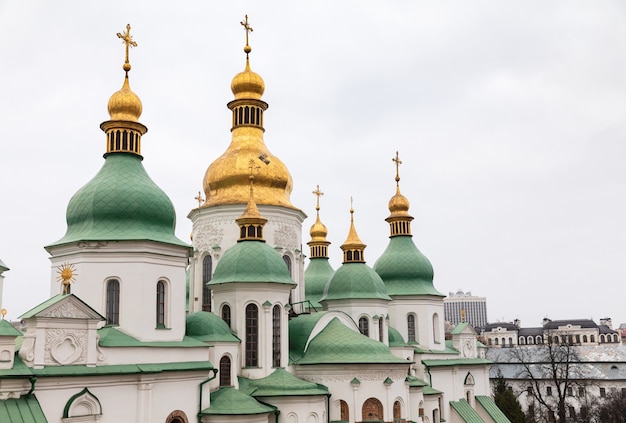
(206, 235)
(369, 376)
(66, 346)
(27, 351)
(286, 236)
(65, 309)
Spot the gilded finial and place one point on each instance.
(398, 162)
(128, 40)
(247, 49)
(66, 276)
(318, 194)
(3, 312)
(199, 199)
(351, 210)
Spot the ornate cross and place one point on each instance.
(199, 199)
(398, 162)
(247, 27)
(318, 194)
(128, 40)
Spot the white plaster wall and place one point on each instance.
(363, 308)
(424, 308)
(304, 408)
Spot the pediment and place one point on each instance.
(64, 307)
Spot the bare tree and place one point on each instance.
(553, 371)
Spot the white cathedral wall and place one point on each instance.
(301, 409)
(450, 380)
(138, 266)
(430, 332)
(230, 350)
(128, 398)
(363, 308)
(153, 355)
(215, 231)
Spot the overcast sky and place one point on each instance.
(509, 117)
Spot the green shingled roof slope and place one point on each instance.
(458, 329)
(120, 203)
(232, 402)
(282, 383)
(24, 409)
(338, 344)
(53, 300)
(355, 281)
(251, 261)
(208, 327)
(113, 337)
(299, 331)
(456, 362)
(395, 338)
(316, 275)
(7, 329)
(405, 270)
(466, 412)
(492, 409)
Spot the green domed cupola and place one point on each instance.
(402, 266)
(121, 202)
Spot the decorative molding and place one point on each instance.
(286, 236)
(65, 346)
(82, 404)
(380, 375)
(27, 351)
(206, 235)
(92, 244)
(65, 309)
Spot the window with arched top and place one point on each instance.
(252, 335)
(276, 336)
(380, 329)
(372, 410)
(177, 416)
(436, 335)
(287, 261)
(226, 314)
(160, 304)
(225, 369)
(397, 411)
(410, 322)
(113, 302)
(344, 411)
(207, 269)
(364, 326)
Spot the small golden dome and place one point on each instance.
(247, 84)
(399, 204)
(318, 231)
(125, 104)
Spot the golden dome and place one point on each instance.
(247, 84)
(318, 231)
(399, 204)
(353, 241)
(125, 104)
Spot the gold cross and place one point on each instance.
(199, 199)
(398, 162)
(128, 40)
(247, 27)
(318, 194)
(251, 166)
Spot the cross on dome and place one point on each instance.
(247, 49)
(127, 39)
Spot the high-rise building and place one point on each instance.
(462, 307)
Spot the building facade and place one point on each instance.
(462, 307)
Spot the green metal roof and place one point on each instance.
(317, 273)
(415, 382)
(405, 270)
(338, 344)
(492, 409)
(282, 383)
(120, 203)
(395, 338)
(251, 261)
(456, 362)
(299, 331)
(3, 267)
(458, 329)
(232, 402)
(208, 327)
(56, 299)
(466, 412)
(355, 281)
(7, 329)
(429, 390)
(110, 336)
(24, 409)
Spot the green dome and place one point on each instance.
(316, 275)
(405, 270)
(205, 326)
(338, 344)
(355, 281)
(120, 203)
(395, 338)
(251, 261)
(282, 383)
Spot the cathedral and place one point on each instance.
(240, 325)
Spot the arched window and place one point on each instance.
(252, 335)
(113, 302)
(410, 322)
(585, 338)
(225, 371)
(521, 340)
(372, 410)
(276, 336)
(344, 411)
(226, 314)
(177, 416)
(592, 338)
(364, 326)
(510, 342)
(397, 411)
(380, 329)
(436, 336)
(207, 269)
(287, 261)
(160, 304)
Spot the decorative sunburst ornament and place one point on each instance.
(66, 276)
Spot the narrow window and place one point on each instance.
(344, 411)
(160, 304)
(436, 336)
(602, 393)
(364, 326)
(410, 321)
(380, 329)
(246, 118)
(125, 140)
(225, 371)
(397, 411)
(276, 336)
(113, 302)
(287, 261)
(549, 391)
(207, 269)
(226, 314)
(252, 335)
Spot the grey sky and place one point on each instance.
(510, 118)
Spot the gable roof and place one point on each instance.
(24, 409)
(282, 383)
(7, 329)
(492, 409)
(230, 401)
(56, 301)
(466, 412)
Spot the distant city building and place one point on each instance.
(462, 307)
